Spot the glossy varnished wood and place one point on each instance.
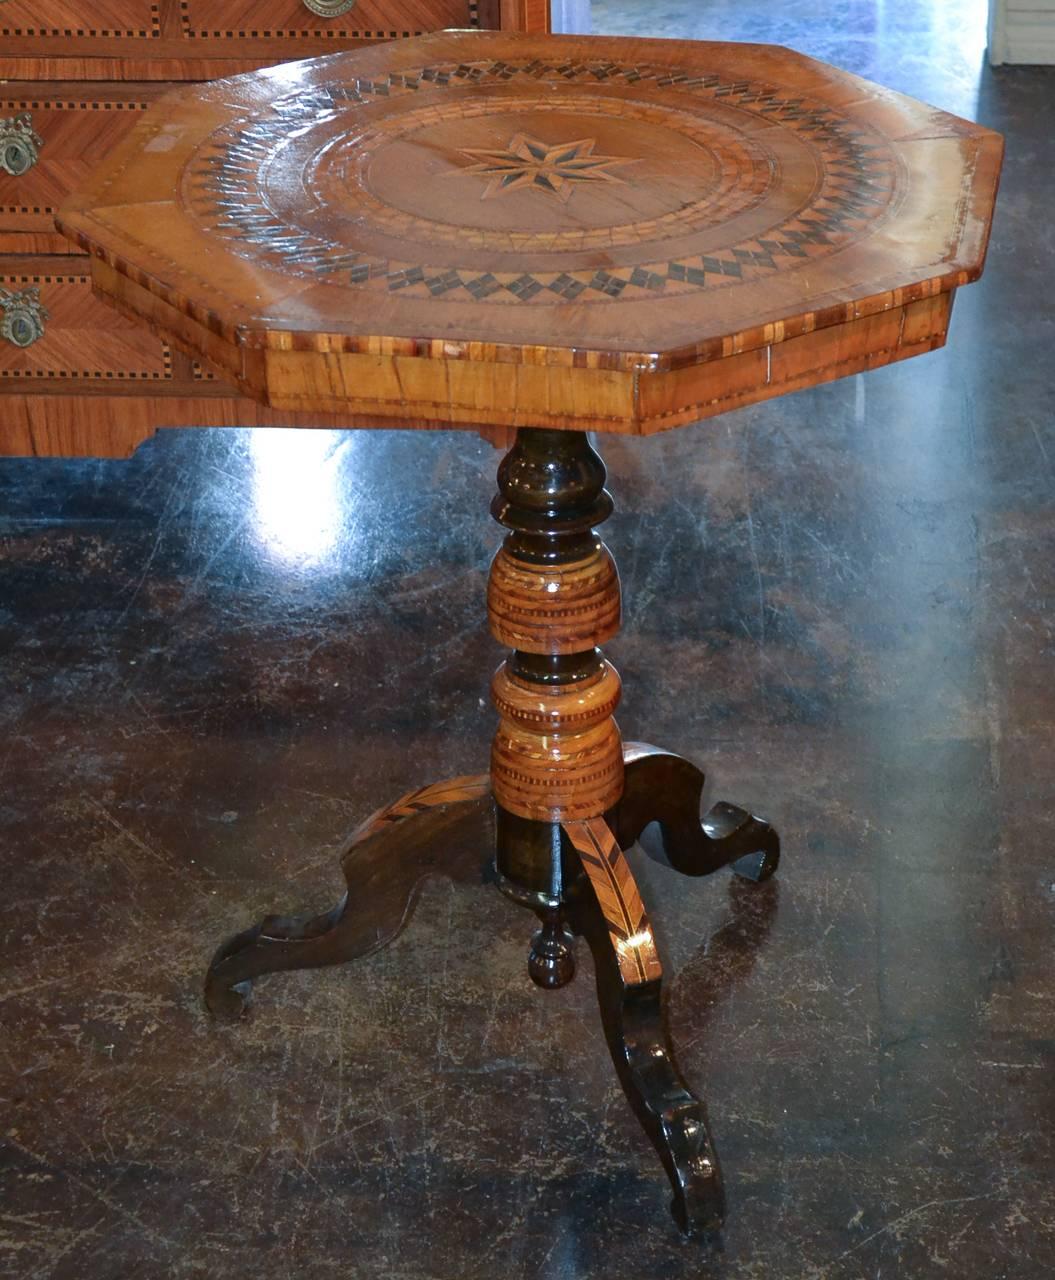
(516, 230)
(543, 234)
(606, 906)
(553, 595)
(610, 914)
(666, 789)
(203, 39)
(77, 125)
(78, 73)
(443, 829)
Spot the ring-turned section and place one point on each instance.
(553, 596)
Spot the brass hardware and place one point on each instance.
(329, 8)
(22, 317)
(19, 144)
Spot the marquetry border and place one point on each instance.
(191, 32)
(92, 375)
(859, 188)
(91, 33)
(45, 104)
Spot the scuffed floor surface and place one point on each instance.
(219, 656)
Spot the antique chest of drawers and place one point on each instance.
(74, 76)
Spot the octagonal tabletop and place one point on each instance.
(500, 229)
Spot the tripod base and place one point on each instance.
(449, 829)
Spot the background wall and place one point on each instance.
(1021, 31)
(570, 15)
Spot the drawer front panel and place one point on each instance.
(71, 134)
(86, 19)
(83, 338)
(293, 19)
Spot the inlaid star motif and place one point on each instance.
(556, 170)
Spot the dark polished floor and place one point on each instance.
(218, 656)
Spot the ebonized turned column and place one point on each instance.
(553, 596)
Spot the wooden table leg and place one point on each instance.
(443, 829)
(613, 919)
(665, 788)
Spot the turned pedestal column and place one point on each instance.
(564, 799)
(553, 597)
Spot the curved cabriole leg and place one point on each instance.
(611, 916)
(445, 829)
(665, 788)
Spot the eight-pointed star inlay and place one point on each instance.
(527, 162)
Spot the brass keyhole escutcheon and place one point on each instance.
(22, 317)
(329, 8)
(19, 144)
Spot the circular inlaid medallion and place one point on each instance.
(628, 182)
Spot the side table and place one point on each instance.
(542, 236)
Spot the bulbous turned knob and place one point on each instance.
(551, 481)
(551, 961)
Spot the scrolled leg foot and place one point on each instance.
(445, 829)
(665, 788)
(608, 911)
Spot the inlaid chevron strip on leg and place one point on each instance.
(619, 899)
(450, 791)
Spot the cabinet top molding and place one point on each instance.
(604, 205)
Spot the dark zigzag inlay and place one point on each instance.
(246, 217)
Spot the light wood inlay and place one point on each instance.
(619, 898)
(529, 162)
(557, 752)
(561, 608)
(764, 222)
(449, 791)
(66, 19)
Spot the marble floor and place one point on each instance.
(217, 657)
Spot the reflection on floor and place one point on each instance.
(220, 655)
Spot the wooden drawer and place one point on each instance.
(136, 40)
(84, 339)
(79, 19)
(71, 127)
(292, 19)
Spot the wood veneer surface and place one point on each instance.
(487, 227)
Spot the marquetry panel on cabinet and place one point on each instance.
(72, 19)
(79, 339)
(75, 76)
(99, 40)
(338, 20)
(57, 134)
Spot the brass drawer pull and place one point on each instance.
(22, 317)
(329, 8)
(19, 144)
